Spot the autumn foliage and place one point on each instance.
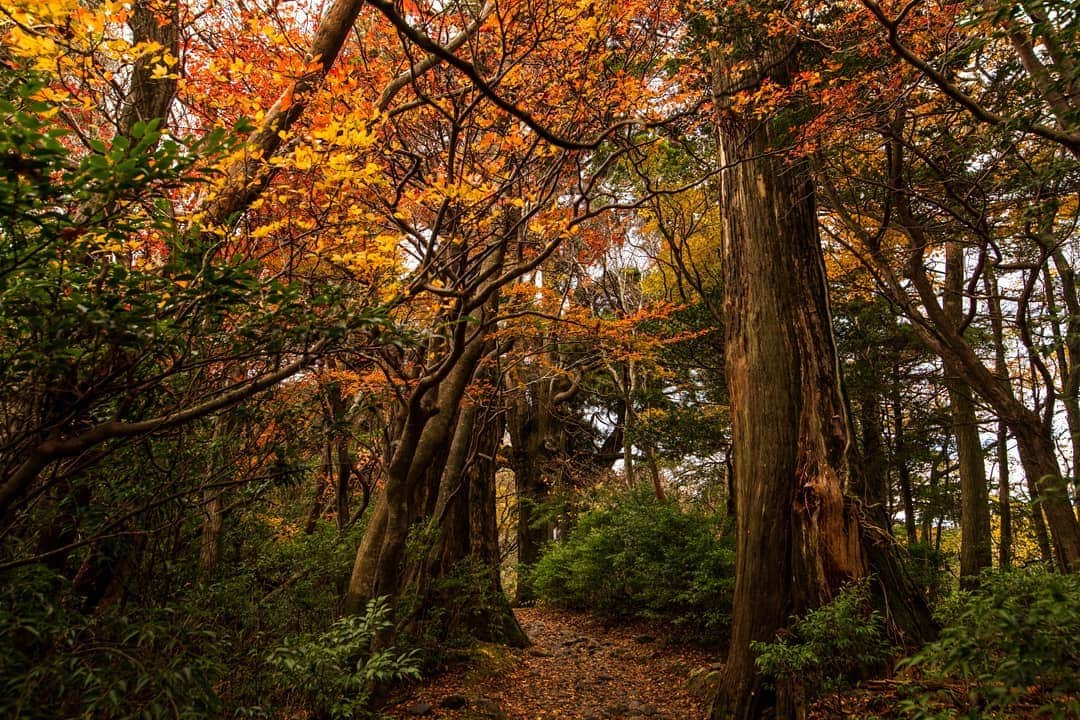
(329, 326)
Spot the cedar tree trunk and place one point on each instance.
(798, 540)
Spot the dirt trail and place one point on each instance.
(576, 670)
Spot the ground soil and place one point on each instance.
(577, 669)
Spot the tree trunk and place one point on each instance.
(532, 533)
(464, 546)
(1004, 503)
(975, 537)
(875, 466)
(1033, 438)
(318, 500)
(149, 97)
(1068, 342)
(1049, 507)
(900, 460)
(1001, 369)
(427, 450)
(213, 524)
(213, 512)
(536, 434)
(1038, 523)
(529, 425)
(338, 459)
(798, 542)
(931, 510)
(654, 472)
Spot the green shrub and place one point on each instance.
(270, 587)
(176, 648)
(827, 647)
(643, 558)
(334, 673)
(139, 663)
(1014, 639)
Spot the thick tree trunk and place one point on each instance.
(532, 532)
(798, 541)
(149, 97)
(536, 435)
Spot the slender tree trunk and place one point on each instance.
(1037, 455)
(318, 501)
(629, 390)
(420, 453)
(931, 511)
(901, 461)
(1033, 437)
(1034, 443)
(975, 537)
(654, 472)
(343, 467)
(212, 505)
(1001, 369)
(339, 463)
(499, 624)
(1004, 503)
(1062, 352)
(1038, 520)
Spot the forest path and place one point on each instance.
(577, 669)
